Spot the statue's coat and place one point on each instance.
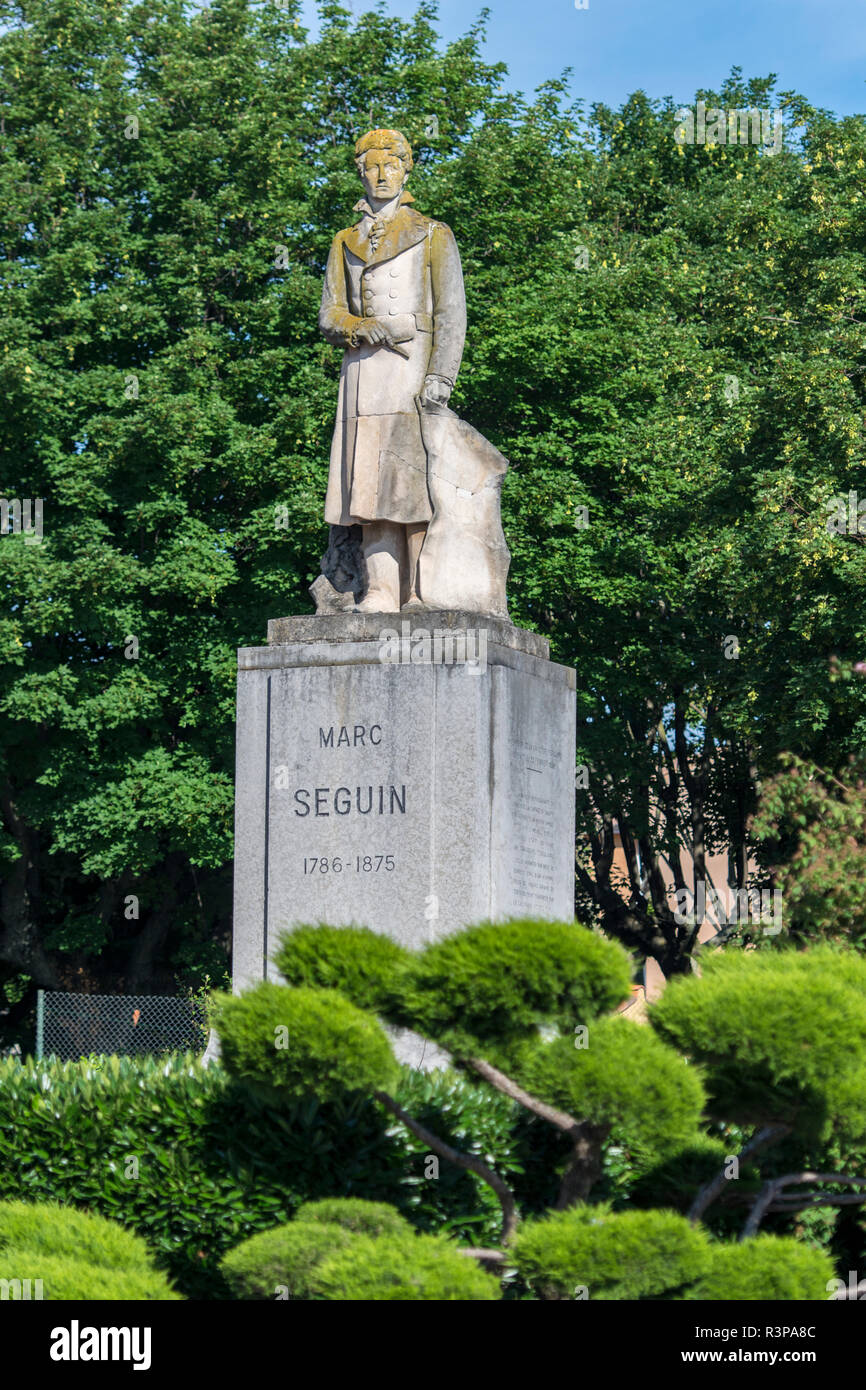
(414, 282)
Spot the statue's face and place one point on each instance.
(382, 174)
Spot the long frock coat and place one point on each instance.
(413, 280)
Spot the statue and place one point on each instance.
(413, 492)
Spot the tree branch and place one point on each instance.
(460, 1160)
(559, 1118)
(711, 1190)
(771, 1197)
(585, 1165)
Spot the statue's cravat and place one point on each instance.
(375, 224)
(377, 231)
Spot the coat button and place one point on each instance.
(392, 294)
(393, 274)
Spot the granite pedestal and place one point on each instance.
(398, 780)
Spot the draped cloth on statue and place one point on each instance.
(464, 560)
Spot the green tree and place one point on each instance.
(781, 1038)
(667, 336)
(169, 184)
(811, 828)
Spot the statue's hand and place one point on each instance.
(373, 331)
(437, 390)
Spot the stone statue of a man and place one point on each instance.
(393, 298)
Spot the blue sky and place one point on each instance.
(667, 47)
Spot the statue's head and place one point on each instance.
(383, 159)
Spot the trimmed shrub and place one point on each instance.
(101, 1260)
(501, 981)
(764, 1268)
(781, 1034)
(65, 1278)
(364, 965)
(626, 1078)
(402, 1268)
(295, 1043)
(82, 1235)
(354, 1214)
(284, 1258)
(614, 1255)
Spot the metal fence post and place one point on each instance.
(40, 1024)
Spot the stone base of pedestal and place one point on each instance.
(409, 773)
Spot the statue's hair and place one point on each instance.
(394, 141)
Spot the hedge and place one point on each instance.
(354, 1214)
(285, 1258)
(282, 1259)
(179, 1154)
(63, 1279)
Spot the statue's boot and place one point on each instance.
(382, 543)
(415, 534)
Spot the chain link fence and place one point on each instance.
(70, 1026)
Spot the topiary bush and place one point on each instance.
(289, 1044)
(354, 1214)
(764, 1268)
(499, 982)
(364, 965)
(613, 1255)
(63, 1278)
(284, 1258)
(781, 1036)
(626, 1077)
(366, 1252)
(402, 1268)
(100, 1259)
(83, 1235)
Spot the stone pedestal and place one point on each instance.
(413, 774)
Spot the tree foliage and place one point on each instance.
(624, 1078)
(811, 824)
(170, 179)
(500, 982)
(610, 1255)
(75, 1255)
(290, 1043)
(781, 1037)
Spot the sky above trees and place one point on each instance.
(667, 48)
